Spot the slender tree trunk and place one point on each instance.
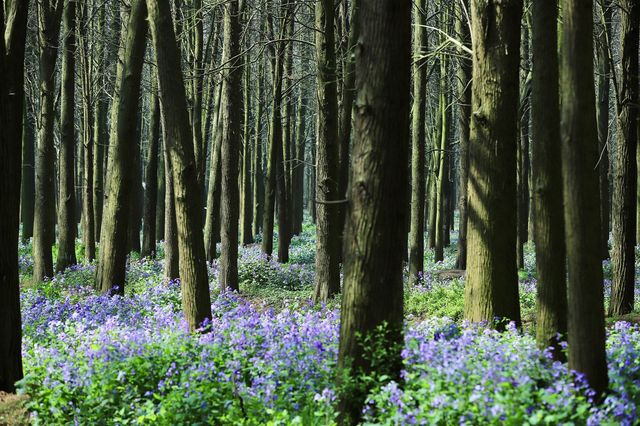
(299, 169)
(258, 169)
(67, 211)
(418, 141)
(581, 195)
(491, 289)
(212, 223)
(192, 262)
(13, 25)
(523, 149)
(151, 180)
(171, 255)
(246, 214)
(110, 274)
(464, 117)
(327, 280)
(443, 158)
(602, 110)
(626, 172)
(28, 178)
(230, 146)
(547, 180)
(373, 289)
(136, 196)
(49, 16)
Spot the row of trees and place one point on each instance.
(205, 138)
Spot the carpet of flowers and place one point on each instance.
(92, 359)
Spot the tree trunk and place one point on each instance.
(12, 47)
(491, 289)
(547, 180)
(49, 15)
(626, 171)
(258, 169)
(192, 262)
(136, 196)
(212, 223)
(582, 196)
(230, 146)
(418, 141)
(28, 178)
(171, 255)
(372, 304)
(151, 179)
(602, 110)
(110, 273)
(327, 280)
(67, 201)
(464, 117)
(161, 190)
(246, 213)
(299, 169)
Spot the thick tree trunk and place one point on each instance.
(192, 262)
(49, 15)
(12, 47)
(327, 280)
(151, 180)
(547, 180)
(491, 289)
(581, 195)
(418, 141)
(110, 273)
(464, 117)
(230, 146)
(373, 289)
(626, 171)
(67, 202)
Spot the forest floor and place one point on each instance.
(270, 355)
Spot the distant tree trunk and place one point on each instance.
(327, 280)
(28, 178)
(246, 213)
(443, 159)
(464, 117)
(547, 180)
(299, 168)
(258, 169)
(13, 25)
(491, 289)
(602, 110)
(171, 255)
(110, 273)
(49, 15)
(135, 196)
(151, 180)
(523, 149)
(626, 171)
(582, 197)
(67, 203)
(418, 141)
(230, 146)
(161, 190)
(373, 289)
(193, 268)
(212, 222)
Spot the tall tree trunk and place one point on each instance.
(136, 196)
(246, 213)
(491, 289)
(443, 158)
(14, 27)
(547, 180)
(67, 210)
(373, 289)
(523, 148)
(49, 15)
(626, 172)
(110, 273)
(27, 189)
(151, 179)
(230, 146)
(212, 223)
(418, 141)
(327, 280)
(171, 255)
(193, 268)
(299, 168)
(581, 195)
(602, 110)
(464, 117)
(161, 190)
(258, 169)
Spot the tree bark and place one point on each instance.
(27, 189)
(110, 273)
(258, 169)
(491, 289)
(626, 171)
(151, 179)
(550, 248)
(327, 279)
(581, 195)
(373, 289)
(246, 210)
(196, 301)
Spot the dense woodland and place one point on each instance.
(319, 212)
